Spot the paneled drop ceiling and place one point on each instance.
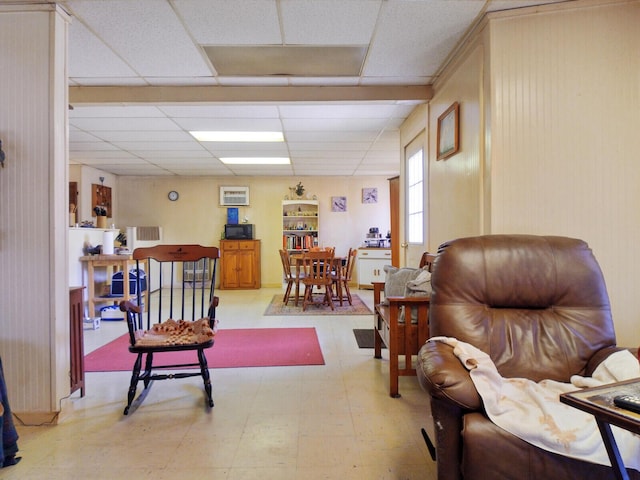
(337, 77)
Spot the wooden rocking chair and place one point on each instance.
(182, 317)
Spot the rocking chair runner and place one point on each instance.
(183, 314)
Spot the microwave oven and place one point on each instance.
(238, 231)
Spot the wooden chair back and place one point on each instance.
(187, 284)
(286, 265)
(316, 267)
(427, 260)
(349, 265)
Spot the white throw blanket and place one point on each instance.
(533, 412)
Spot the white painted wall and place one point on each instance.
(550, 110)
(197, 216)
(34, 332)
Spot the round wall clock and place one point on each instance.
(173, 195)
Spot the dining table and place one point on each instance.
(337, 262)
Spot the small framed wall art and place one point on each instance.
(370, 195)
(448, 136)
(338, 204)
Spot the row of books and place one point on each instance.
(298, 242)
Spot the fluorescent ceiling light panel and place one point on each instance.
(287, 60)
(210, 136)
(255, 160)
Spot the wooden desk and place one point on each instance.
(119, 263)
(598, 401)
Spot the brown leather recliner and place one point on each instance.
(539, 307)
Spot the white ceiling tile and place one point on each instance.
(159, 146)
(153, 136)
(327, 156)
(146, 34)
(85, 111)
(323, 147)
(221, 111)
(337, 137)
(76, 135)
(330, 22)
(198, 172)
(139, 170)
(402, 23)
(230, 124)
(246, 150)
(188, 162)
(91, 146)
(90, 57)
(348, 111)
(112, 160)
(103, 155)
(335, 124)
(153, 155)
(237, 22)
(131, 123)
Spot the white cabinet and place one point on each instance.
(371, 262)
(299, 224)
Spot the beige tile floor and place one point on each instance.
(335, 421)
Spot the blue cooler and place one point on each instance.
(117, 287)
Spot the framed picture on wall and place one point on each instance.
(448, 136)
(338, 204)
(370, 195)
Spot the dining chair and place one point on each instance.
(316, 267)
(341, 276)
(292, 278)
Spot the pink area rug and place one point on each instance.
(250, 347)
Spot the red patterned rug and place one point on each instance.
(247, 347)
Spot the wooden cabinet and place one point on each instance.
(371, 262)
(239, 264)
(76, 335)
(300, 224)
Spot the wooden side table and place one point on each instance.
(119, 263)
(598, 401)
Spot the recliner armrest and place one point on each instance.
(444, 377)
(599, 357)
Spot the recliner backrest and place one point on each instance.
(538, 305)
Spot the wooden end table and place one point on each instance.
(598, 401)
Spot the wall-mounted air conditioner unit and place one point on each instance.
(230, 196)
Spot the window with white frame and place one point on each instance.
(414, 181)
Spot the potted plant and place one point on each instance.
(299, 189)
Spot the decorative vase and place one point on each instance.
(101, 221)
